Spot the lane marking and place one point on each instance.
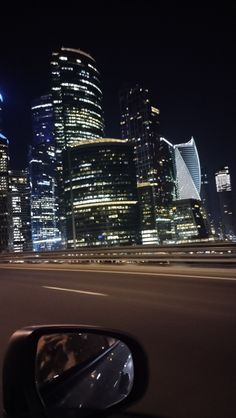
(181, 275)
(85, 292)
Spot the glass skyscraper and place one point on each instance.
(20, 224)
(188, 152)
(42, 120)
(43, 181)
(76, 96)
(224, 192)
(4, 187)
(101, 194)
(155, 181)
(206, 198)
(44, 207)
(190, 221)
(77, 106)
(187, 171)
(188, 214)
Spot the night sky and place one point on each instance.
(185, 56)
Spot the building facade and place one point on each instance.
(4, 194)
(206, 199)
(189, 154)
(20, 221)
(189, 215)
(100, 194)
(187, 171)
(140, 125)
(44, 206)
(77, 106)
(42, 120)
(226, 204)
(4, 187)
(190, 221)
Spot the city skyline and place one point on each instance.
(188, 69)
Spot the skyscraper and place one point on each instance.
(43, 181)
(140, 125)
(77, 106)
(224, 192)
(188, 170)
(42, 120)
(77, 98)
(189, 215)
(4, 187)
(101, 194)
(44, 207)
(4, 194)
(206, 198)
(20, 223)
(190, 220)
(1, 104)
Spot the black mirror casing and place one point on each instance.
(20, 395)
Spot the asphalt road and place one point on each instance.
(185, 319)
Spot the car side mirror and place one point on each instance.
(71, 372)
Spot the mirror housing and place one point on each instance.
(21, 396)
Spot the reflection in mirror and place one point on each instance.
(83, 370)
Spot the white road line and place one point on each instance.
(85, 292)
(181, 275)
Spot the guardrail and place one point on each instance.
(192, 254)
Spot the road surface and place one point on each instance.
(185, 319)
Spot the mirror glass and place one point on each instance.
(83, 370)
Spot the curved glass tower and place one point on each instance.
(76, 97)
(189, 153)
(77, 107)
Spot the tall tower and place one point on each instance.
(43, 182)
(101, 194)
(206, 197)
(4, 187)
(77, 106)
(44, 208)
(76, 96)
(20, 230)
(42, 120)
(189, 154)
(1, 104)
(140, 125)
(188, 170)
(189, 216)
(224, 191)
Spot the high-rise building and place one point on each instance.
(188, 171)
(205, 190)
(190, 221)
(224, 192)
(206, 198)
(100, 194)
(20, 222)
(189, 215)
(4, 194)
(140, 125)
(44, 206)
(189, 153)
(42, 120)
(77, 106)
(1, 104)
(166, 193)
(4, 187)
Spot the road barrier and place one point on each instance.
(197, 253)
